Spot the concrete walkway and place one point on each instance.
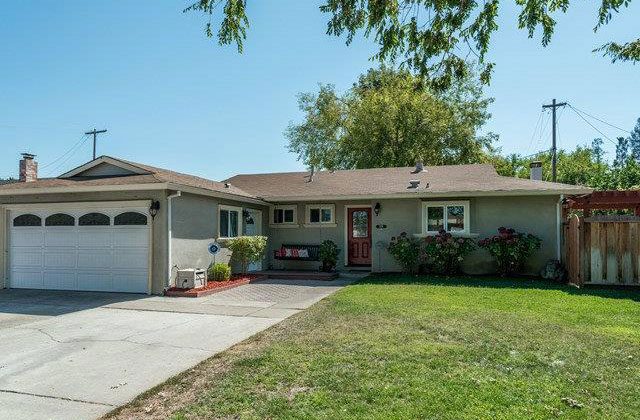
(78, 355)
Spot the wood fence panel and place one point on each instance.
(597, 264)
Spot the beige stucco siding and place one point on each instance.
(531, 214)
(195, 225)
(159, 224)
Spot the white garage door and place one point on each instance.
(94, 249)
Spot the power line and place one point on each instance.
(592, 126)
(82, 139)
(535, 129)
(602, 121)
(68, 158)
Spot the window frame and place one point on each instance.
(284, 207)
(222, 208)
(444, 205)
(320, 207)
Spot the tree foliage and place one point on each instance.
(391, 118)
(434, 38)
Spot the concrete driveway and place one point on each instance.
(78, 355)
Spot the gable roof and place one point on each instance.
(378, 183)
(435, 181)
(141, 177)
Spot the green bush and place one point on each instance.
(510, 249)
(219, 272)
(444, 253)
(328, 255)
(247, 249)
(406, 251)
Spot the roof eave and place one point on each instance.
(216, 194)
(82, 189)
(427, 195)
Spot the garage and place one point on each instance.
(79, 246)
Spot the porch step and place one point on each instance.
(297, 275)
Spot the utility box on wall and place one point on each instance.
(191, 278)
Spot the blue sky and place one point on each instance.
(172, 98)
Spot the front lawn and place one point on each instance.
(406, 347)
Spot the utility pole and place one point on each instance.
(554, 162)
(95, 133)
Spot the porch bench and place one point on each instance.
(291, 252)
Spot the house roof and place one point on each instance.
(137, 176)
(435, 181)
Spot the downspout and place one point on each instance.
(170, 236)
(559, 228)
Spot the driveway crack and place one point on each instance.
(9, 391)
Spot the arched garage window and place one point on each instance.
(60, 219)
(25, 220)
(130, 218)
(94, 219)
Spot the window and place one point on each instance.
(321, 214)
(452, 216)
(130, 218)
(94, 219)
(229, 221)
(27, 220)
(284, 215)
(60, 219)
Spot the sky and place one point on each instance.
(170, 97)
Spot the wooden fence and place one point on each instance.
(602, 250)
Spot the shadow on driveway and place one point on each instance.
(56, 302)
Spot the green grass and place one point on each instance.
(418, 347)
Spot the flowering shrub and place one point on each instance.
(510, 249)
(406, 251)
(445, 253)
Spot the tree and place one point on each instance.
(391, 118)
(434, 38)
(598, 151)
(634, 141)
(622, 152)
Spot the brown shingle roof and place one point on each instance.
(442, 180)
(153, 176)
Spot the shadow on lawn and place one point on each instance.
(612, 292)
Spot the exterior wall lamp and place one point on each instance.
(153, 209)
(377, 208)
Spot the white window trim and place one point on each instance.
(230, 208)
(294, 224)
(330, 223)
(427, 204)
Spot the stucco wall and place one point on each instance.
(195, 225)
(159, 269)
(532, 214)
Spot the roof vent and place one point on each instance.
(414, 183)
(419, 167)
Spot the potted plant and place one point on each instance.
(328, 255)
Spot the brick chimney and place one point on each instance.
(28, 168)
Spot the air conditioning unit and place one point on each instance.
(191, 278)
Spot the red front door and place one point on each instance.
(359, 231)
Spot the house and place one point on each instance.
(115, 225)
